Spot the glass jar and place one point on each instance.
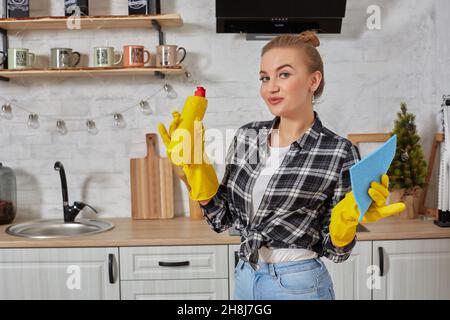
(8, 193)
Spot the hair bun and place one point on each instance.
(310, 37)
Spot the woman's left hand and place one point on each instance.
(378, 209)
(345, 215)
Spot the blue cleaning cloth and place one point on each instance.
(369, 169)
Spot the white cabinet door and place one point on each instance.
(233, 259)
(350, 278)
(201, 289)
(69, 273)
(413, 269)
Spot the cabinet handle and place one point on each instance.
(173, 264)
(381, 257)
(111, 268)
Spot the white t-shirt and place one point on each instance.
(269, 255)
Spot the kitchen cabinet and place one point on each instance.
(412, 269)
(59, 273)
(349, 277)
(174, 272)
(233, 259)
(200, 289)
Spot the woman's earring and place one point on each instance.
(313, 100)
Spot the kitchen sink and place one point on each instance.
(61, 228)
(57, 228)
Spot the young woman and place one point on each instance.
(286, 186)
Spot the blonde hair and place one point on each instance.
(307, 41)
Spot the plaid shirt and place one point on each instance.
(295, 210)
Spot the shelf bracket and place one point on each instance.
(5, 47)
(157, 27)
(159, 74)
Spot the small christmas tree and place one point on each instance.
(408, 169)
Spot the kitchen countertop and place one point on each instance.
(183, 231)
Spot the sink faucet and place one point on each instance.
(70, 212)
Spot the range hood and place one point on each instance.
(272, 17)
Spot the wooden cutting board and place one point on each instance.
(195, 211)
(152, 184)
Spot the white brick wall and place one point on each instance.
(368, 73)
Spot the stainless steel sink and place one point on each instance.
(57, 228)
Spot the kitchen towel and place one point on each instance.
(369, 169)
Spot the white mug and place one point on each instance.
(105, 57)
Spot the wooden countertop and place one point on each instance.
(183, 231)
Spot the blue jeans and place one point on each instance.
(298, 280)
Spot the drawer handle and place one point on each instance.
(173, 264)
(381, 258)
(111, 268)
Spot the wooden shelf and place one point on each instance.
(91, 22)
(89, 72)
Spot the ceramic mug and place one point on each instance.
(105, 57)
(63, 58)
(133, 56)
(18, 58)
(3, 58)
(167, 55)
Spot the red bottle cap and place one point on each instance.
(200, 92)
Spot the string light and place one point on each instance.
(61, 127)
(91, 127)
(171, 94)
(33, 121)
(119, 121)
(145, 107)
(190, 79)
(6, 112)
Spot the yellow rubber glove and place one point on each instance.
(345, 215)
(201, 177)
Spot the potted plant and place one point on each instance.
(408, 169)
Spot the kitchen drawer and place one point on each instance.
(203, 289)
(59, 273)
(173, 262)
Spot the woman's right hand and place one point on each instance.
(167, 136)
(201, 177)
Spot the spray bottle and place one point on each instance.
(194, 110)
